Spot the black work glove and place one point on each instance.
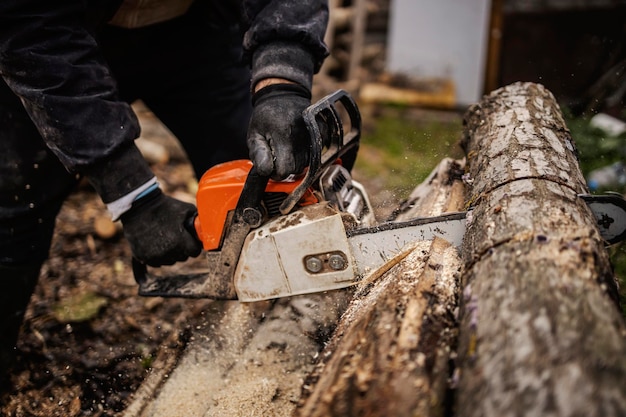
(278, 140)
(155, 228)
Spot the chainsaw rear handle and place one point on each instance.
(248, 215)
(339, 144)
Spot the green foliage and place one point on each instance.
(401, 149)
(79, 307)
(618, 261)
(147, 361)
(596, 149)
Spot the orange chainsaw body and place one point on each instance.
(218, 193)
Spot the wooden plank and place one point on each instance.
(440, 95)
(358, 38)
(494, 50)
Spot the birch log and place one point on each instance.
(390, 353)
(540, 332)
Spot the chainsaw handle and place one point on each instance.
(140, 271)
(247, 215)
(192, 285)
(340, 145)
(190, 225)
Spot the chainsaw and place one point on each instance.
(266, 239)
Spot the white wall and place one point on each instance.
(441, 38)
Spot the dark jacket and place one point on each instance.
(50, 58)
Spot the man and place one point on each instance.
(70, 68)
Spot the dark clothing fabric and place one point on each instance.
(68, 80)
(16, 287)
(75, 77)
(33, 185)
(190, 73)
(49, 57)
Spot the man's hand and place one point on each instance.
(154, 227)
(278, 140)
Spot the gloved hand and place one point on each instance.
(154, 227)
(278, 140)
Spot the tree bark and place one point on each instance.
(389, 355)
(540, 333)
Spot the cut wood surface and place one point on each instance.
(390, 353)
(246, 360)
(540, 332)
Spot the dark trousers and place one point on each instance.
(188, 71)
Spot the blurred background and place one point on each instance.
(461, 49)
(414, 66)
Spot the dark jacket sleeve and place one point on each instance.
(50, 59)
(285, 38)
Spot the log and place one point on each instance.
(540, 334)
(259, 358)
(246, 359)
(389, 355)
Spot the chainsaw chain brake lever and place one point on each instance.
(249, 208)
(328, 141)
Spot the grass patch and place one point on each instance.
(401, 147)
(595, 148)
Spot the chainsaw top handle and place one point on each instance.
(328, 141)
